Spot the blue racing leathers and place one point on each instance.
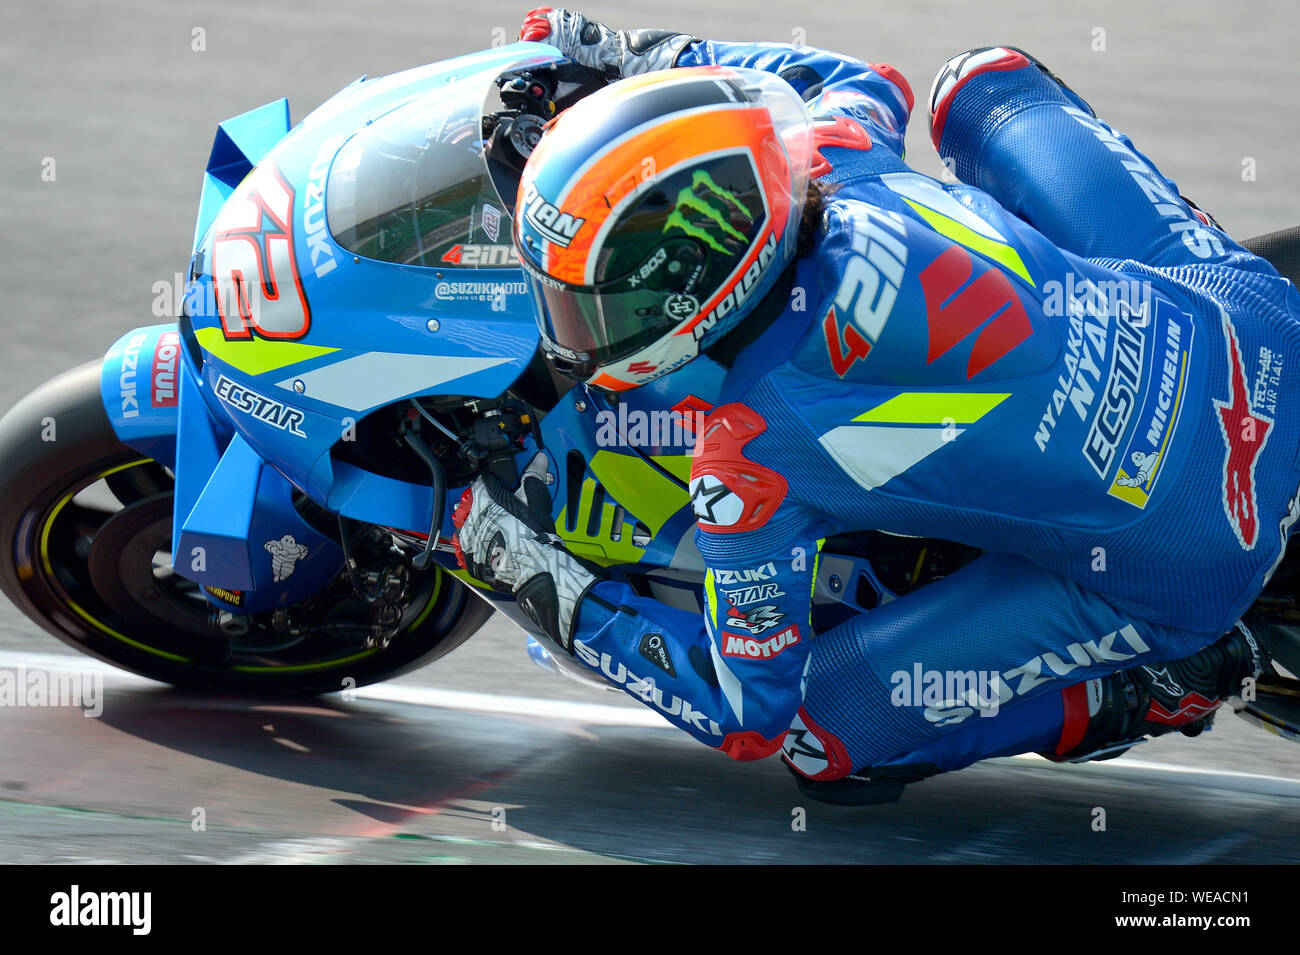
(1060, 364)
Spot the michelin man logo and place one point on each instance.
(285, 554)
(1145, 464)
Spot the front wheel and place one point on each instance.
(85, 535)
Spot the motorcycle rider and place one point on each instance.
(987, 362)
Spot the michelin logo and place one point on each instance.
(1143, 465)
(285, 554)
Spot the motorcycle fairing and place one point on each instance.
(357, 333)
(237, 531)
(229, 503)
(253, 399)
(139, 384)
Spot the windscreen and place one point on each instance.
(413, 186)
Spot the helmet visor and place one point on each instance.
(591, 325)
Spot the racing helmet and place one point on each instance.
(655, 213)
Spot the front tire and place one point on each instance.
(67, 482)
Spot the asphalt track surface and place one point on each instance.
(483, 757)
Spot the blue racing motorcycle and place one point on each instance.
(257, 497)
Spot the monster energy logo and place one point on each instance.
(688, 200)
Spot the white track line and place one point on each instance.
(1207, 776)
(594, 713)
(294, 852)
(600, 714)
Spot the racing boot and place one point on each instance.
(1104, 717)
(962, 67)
(869, 786)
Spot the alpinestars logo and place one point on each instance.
(554, 225)
(713, 502)
(813, 751)
(1164, 681)
(801, 743)
(1244, 434)
(959, 67)
(689, 201)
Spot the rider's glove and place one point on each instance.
(592, 44)
(508, 542)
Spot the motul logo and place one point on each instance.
(163, 379)
(753, 649)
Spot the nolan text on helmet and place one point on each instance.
(554, 225)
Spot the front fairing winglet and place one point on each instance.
(239, 145)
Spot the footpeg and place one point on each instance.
(1275, 708)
